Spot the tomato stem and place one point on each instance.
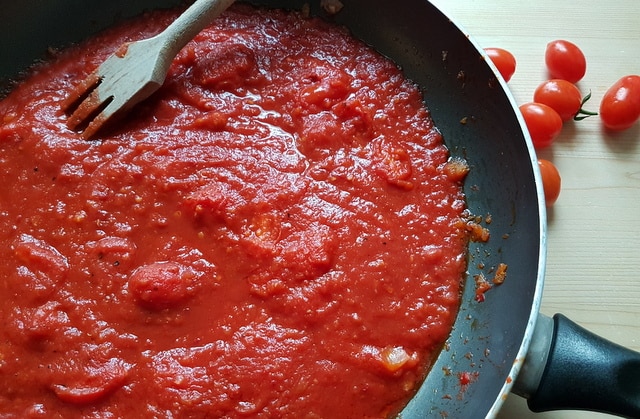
(582, 113)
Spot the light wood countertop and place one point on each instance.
(593, 261)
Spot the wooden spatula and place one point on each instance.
(134, 71)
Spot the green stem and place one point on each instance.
(582, 113)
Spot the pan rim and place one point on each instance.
(542, 225)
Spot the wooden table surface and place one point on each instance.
(593, 261)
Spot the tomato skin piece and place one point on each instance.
(565, 60)
(551, 181)
(563, 96)
(504, 61)
(544, 124)
(94, 383)
(620, 105)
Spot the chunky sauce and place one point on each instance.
(274, 233)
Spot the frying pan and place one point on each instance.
(503, 343)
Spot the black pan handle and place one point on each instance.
(586, 372)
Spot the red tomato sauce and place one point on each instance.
(273, 234)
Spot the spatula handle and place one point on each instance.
(193, 20)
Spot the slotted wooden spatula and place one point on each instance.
(134, 71)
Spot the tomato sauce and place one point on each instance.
(274, 233)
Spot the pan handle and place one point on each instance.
(579, 370)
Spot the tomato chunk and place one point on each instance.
(162, 284)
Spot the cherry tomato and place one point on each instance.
(551, 181)
(620, 105)
(504, 61)
(544, 124)
(561, 95)
(565, 61)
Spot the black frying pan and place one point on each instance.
(489, 339)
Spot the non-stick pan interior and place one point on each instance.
(479, 123)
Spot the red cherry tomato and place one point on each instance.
(551, 181)
(544, 124)
(620, 105)
(504, 61)
(565, 61)
(561, 95)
